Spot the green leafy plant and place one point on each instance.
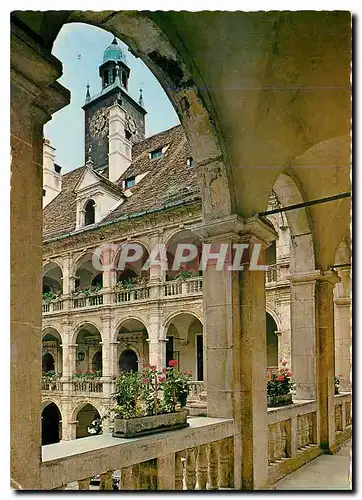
(150, 392)
(279, 383)
(183, 275)
(51, 375)
(87, 290)
(84, 376)
(48, 296)
(131, 283)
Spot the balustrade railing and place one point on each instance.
(190, 286)
(131, 295)
(292, 437)
(88, 301)
(51, 385)
(277, 272)
(146, 463)
(342, 413)
(87, 386)
(50, 306)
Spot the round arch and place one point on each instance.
(302, 249)
(51, 420)
(129, 360)
(173, 315)
(84, 413)
(275, 317)
(138, 318)
(81, 326)
(52, 331)
(47, 401)
(176, 72)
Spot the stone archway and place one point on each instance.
(51, 424)
(128, 361)
(48, 363)
(85, 417)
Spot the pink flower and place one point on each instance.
(173, 363)
(284, 363)
(164, 370)
(153, 368)
(280, 378)
(289, 374)
(162, 378)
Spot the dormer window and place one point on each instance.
(190, 162)
(156, 153)
(131, 181)
(90, 213)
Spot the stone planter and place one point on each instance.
(148, 425)
(283, 399)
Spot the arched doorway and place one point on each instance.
(128, 361)
(85, 417)
(48, 363)
(50, 424)
(97, 362)
(271, 342)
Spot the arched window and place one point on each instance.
(48, 364)
(90, 213)
(97, 362)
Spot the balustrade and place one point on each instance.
(51, 385)
(89, 301)
(342, 413)
(52, 306)
(131, 295)
(87, 386)
(150, 463)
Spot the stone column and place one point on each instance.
(235, 344)
(107, 358)
(34, 97)
(325, 360)
(157, 272)
(154, 334)
(66, 268)
(343, 331)
(303, 333)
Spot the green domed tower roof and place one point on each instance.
(114, 53)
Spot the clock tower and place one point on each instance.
(114, 73)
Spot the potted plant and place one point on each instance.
(87, 290)
(279, 387)
(49, 296)
(150, 401)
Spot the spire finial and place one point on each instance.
(87, 96)
(140, 100)
(114, 41)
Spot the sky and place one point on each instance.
(80, 48)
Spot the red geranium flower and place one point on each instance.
(289, 374)
(173, 362)
(284, 363)
(153, 368)
(280, 378)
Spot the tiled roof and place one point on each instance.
(169, 180)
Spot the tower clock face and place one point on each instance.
(131, 124)
(98, 126)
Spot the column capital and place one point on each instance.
(343, 301)
(315, 275)
(237, 229)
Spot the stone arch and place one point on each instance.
(134, 317)
(130, 348)
(79, 327)
(173, 315)
(84, 413)
(51, 420)
(176, 72)
(80, 404)
(47, 401)
(302, 249)
(52, 277)
(275, 317)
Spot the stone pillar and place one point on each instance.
(343, 331)
(157, 272)
(235, 344)
(325, 360)
(120, 148)
(303, 333)
(34, 97)
(107, 358)
(154, 333)
(66, 269)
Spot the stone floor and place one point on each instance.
(327, 472)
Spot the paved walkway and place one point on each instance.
(327, 472)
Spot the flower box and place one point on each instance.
(281, 400)
(129, 428)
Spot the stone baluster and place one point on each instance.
(201, 467)
(299, 433)
(271, 443)
(136, 477)
(106, 481)
(83, 484)
(226, 463)
(278, 441)
(310, 428)
(178, 471)
(148, 475)
(213, 466)
(283, 440)
(190, 469)
(125, 482)
(166, 472)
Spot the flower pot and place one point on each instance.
(283, 399)
(148, 425)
